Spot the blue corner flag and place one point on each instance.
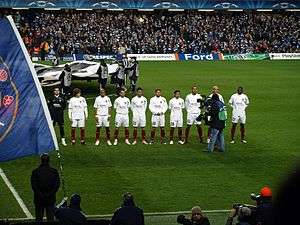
(25, 123)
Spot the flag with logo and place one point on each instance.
(25, 124)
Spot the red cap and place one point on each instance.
(266, 192)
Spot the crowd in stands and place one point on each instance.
(92, 32)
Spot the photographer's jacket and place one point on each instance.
(128, 215)
(216, 123)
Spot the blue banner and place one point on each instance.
(24, 116)
(199, 57)
(154, 4)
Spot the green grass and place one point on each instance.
(175, 178)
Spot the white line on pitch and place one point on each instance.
(164, 213)
(146, 214)
(16, 195)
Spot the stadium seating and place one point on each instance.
(92, 32)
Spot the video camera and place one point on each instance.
(205, 104)
(257, 198)
(246, 213)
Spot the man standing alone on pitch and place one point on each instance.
(102, 107)
(78, 115)
(192, 104)
(57, 105)
(215, 90)
(122, 105)
(139, 107)
(45, 183)
(158, 107)
(218, 116)
(239, 102)
(176, 105)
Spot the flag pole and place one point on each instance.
(42, 98)
(61, 170)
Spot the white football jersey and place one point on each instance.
(176, 105)
(192, 103)
(102, 104)
(158, 105)
(238, 102)
(122, 105)
(78, 108)
(220, 97)
(138, 105)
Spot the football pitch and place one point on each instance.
(170, 178)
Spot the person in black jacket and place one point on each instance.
(102, 74)
(57, 105)
(128, 214)
(71, 215)
(134, 74)
(217, 124)
(66, 80)
(197, 218)
(45, 183)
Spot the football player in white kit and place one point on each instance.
(78, 114)
(176, 105)
(122, 105)
(239, 102)
(192, 104)
(102, 108)
(139, 107)
(214, 90)
(158, 107)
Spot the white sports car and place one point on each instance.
(81, 70)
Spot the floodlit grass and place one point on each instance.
(175, 178)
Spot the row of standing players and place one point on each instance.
(78, 114)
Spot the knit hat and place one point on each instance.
(266, 192)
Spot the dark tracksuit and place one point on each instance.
(45, 183)
(70, 216)
(128, 215)
(101, 80)
(65, 81)
(134, 76)
(57, 105)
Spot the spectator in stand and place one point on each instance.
(45, 183)
(128, 213)
(162, 32)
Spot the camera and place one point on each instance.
(182, 220)
(246, 213)
(256, 198)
